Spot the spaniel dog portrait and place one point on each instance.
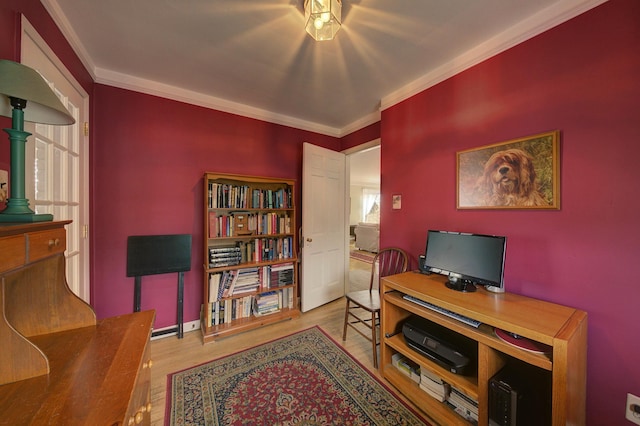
(509, 179)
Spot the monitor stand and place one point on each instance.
(459, 284)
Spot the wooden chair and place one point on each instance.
(363, 307)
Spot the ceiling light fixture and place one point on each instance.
(323, 18)
(21, 86)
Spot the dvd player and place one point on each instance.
(446, 348)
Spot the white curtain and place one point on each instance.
(370, 205)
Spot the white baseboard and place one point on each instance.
(187, 327)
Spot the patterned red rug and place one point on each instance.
(305, 378)
(364, 256)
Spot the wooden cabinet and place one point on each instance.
(250, 253)
(562, 329)
(58, 365)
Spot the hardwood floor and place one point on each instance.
(171, 354)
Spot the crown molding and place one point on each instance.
(136, 84)
(530, 27)
(54, 10)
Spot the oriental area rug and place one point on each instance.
(364, 256)
(302, 379)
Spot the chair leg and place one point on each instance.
(374, 339)
(346, 319)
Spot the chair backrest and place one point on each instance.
(388, 261)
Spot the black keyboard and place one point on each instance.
(435, 308)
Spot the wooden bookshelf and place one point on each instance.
(250, 253)
(562, 329)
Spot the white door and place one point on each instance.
(56, 169)
(323, 238)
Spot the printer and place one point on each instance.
(450, 350)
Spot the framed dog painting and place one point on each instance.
(518, 174)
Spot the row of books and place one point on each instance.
(229, 196)
(275, 276)
(437, 388)
(233, 282)
(229, 310)
(225, 311)
(243, 223)
(256, 250)
(236, 282)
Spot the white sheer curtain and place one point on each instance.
(370, 205)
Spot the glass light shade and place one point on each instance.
(21, 82)
(323, 18)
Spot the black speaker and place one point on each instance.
(421, 260)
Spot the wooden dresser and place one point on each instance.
(58, 365)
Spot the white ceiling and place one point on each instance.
(253, 57)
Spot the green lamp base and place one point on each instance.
(25, 217)
(18, 211)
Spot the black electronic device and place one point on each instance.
(446, 348)
(467, 259)
(159, 254)
(520, 395)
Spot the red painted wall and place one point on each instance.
(366, 134)
(582, 78)
(148, 158)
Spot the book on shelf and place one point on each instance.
(224, 256)
(406, 366)
(463, 404)
(226, 195)
(267, 303)
(268, 249)
(225, 310)
(439, 396)
(228, 310)
(433, 385)
(275, 276)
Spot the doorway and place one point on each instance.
(364, 198)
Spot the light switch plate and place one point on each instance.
(630, 415)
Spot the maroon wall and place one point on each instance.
(148, 156)
(147, 162)
(366, 134)
(581, 78)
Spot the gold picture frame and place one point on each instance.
(518, 174)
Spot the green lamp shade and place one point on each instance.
(22, 82)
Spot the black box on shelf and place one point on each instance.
(520, 394)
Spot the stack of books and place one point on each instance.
(406, 366)
(224, 256)
(267, 303)
(246, 280)
(433, 384)
(463, 404)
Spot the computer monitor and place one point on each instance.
(467, 259)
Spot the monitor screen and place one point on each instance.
(467, 259)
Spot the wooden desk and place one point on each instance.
(562, 328)
(58, 366)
